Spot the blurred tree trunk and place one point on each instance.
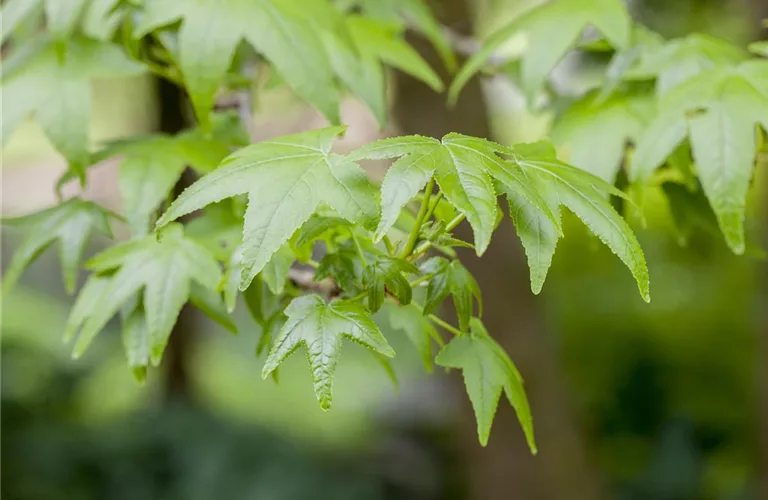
(759, 11)
(505, 469)
(171, 104)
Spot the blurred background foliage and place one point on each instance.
(666, 397)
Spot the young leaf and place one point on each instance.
(416, 327)
(389, 273)
(451, 278)
(163, 266)
(487, 371)
(719, 110)
(320, 327)
(71, 223)
(275, 271)
(59, 93)
(593, 133)
(345, 267)
(13, 13)
(584, 195)
(212, 29)
(551, 29)
(681, 59)
(286, 180)
(464, 168)
(61, 16)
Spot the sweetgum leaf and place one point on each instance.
(537, 233)
(163, 266)
(320, 327)
(681, 59)
(593, 133)
(286, 180)
(464, 168)
(416, 327)
(153, 166)
(71, 223)
(388, 273)
(13, 13)
(719, 111)
(59, 93)
(451, 278)
(487, 371)
(212, 29)
(418, 17)
(551, 29)
(584, 195)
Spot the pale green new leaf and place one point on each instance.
(416, 327)
(719, 111)
(275, 271)
(211, 31)
(593, 133)
(59, 93)
(286, 179)
(681, 59)
(389, 273)
(320, 327)
(759, 48)
(71, 223)
(61, 16)
(164, 267)
(487, 371)
(451, 278)
(550, 30)
(584, 195)
(13, 13)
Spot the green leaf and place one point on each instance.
(464, 168)
(317, 226)
(71, 223)
(319, 327)
(417, 15)
(388, 272)
(487, 371)
(451, 278)
(163, 266)
(537, 233)
(59, 94)
(102, 18)
(13, 13)
(384, 41)
(135, 337)
(211, 303)
(275, 271)
(410, 320)
(464, 289)
(759, 48)
(152, 167)
(62, 15)
(211, 30)
(681, 59)
(584, 195)
(719, 110)
(286, 180)
(593, 133)
(551, 29)
(345, 267)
